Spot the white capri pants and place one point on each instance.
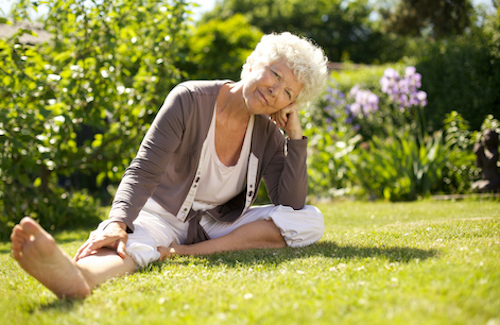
(155, 227)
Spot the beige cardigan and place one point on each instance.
(166, 166)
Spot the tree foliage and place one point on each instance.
(437, 18)
(342, 28)
(81, 104)
(218, 48)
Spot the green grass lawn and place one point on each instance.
(428, 262)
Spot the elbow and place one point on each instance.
(299, 206)
(295, 202)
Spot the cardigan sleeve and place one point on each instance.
(286, 175)
(143, 174)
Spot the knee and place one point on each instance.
(301, 227)
(316, 224)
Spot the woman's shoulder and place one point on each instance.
(202, 87)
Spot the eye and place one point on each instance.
(276, 74)
(289, 95)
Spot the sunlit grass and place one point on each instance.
(409, 263)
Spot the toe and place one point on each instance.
(16, 254)
(18, 235)
(31, 227)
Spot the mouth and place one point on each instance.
(263, 98)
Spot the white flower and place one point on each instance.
(59, 119)
(53, 77)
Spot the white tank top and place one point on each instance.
(220, 183)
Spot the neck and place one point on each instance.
(230, 103)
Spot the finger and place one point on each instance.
(121, 249)
(92, 245)
(117, 244)
(84, 254)
(80, 253)
(282, 118)
(273, 117)
(98, 243)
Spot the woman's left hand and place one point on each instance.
(172, 250)
(288, 119)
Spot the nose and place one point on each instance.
(275, 89)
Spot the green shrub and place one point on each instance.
(463, 75)
(55, 209)
(219, 48)
(399, 168)
(331, 139)
(460, 170)
(81, 104)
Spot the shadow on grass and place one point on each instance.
(60, 305)
(325, 249)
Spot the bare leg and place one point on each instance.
(103, 265)
(257, 234)
(38, 254)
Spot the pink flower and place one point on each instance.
(391, 73)
(355, 109)
(410, 71)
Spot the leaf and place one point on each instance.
(27, 31)
(4, 20)
(97, 141)
(63, 56)
(37, 182)
(100, 178)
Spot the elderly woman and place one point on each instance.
(197, 172)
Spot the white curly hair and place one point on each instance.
(308, 62)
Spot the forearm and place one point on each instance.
(295, 134)
(287, 184)
(258, 234)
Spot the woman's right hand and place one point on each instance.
(113, 236)
(288, 119)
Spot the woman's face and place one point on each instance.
(270, 87)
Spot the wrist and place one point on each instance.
(120, 224)
(295, 135)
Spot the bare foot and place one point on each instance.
(37, 253)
